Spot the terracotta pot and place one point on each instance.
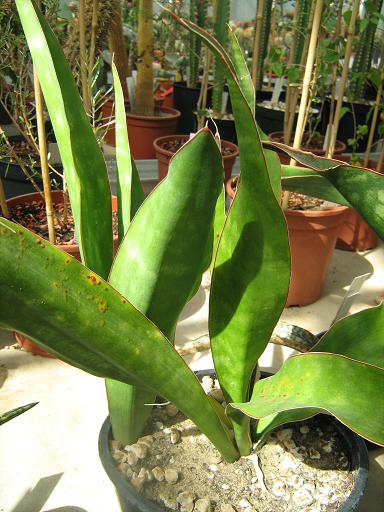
(340, 147)
(73, 250)
(164, 156)
(143, 130)
(355, 234)
(312, 237)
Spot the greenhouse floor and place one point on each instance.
(48, 456)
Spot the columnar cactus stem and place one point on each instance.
(303, 12)
(262, 31)
(198, 10)
(221, 34)
(362, 62)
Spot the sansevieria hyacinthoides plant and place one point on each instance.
(116, 318)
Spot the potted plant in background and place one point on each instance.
(186, 93)
(167, 146)
(110, 336)
(25, 158)
(146, 118)
(355, 234)
(145, 123)
(20, 167)
(313, 231)
(357, 105)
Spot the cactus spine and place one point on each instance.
(363, 56)
(221, 34)
(105, 15)
(198, 10)
(265, 28)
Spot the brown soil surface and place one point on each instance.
(303, 202)
(175, 144)
(33, 216)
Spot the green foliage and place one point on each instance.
(124, 329)
(9, 415)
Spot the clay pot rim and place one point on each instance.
(172, 114)
(164, 138)
(294, 213)
(329, 212)
(340, 147)
(25, 198)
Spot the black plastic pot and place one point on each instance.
(15, 181)
(269, 119)
(131, 501)
(226, 128)
(350, 121)
(185, 100)
(4, 117)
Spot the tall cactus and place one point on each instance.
(265, 29)
(303, 13)
(198, 11)
(363, 56)
(105, 16)
(221, 34)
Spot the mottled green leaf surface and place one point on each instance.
(218, 225)
(362, 188)
(250, 280)
(9, 415)
(162, 257)
(359, 336)
(127, 407)
(310, 182)
(329, 383)
(165, 247)
(242, 71)
(50, 297)
(83, 162)
(265, 425)
(245, 83)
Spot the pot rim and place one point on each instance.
(340, 146)
(172, 114)
(329, 212)
(24, 198)
(358, 456)
(337, 210)
(164, 138)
